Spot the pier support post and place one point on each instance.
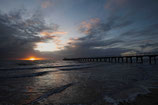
(126, 59)
(150, 59)
(131, 59)
(105, 59)
(155, 59)
(115, 59)
(118, 59)
(122, 59)
(108, 59)
(141, 59)
(136, 59)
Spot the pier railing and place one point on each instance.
(140, 58)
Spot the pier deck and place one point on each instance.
(151, 58)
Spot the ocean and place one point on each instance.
(50, 82)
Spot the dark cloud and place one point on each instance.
(18, 34)
(131, 27)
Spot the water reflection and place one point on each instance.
(79, 86)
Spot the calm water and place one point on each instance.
(73, 83)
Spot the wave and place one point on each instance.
(68, 68)
(76, 68)
(51, 92)
(40, 73)
(41, 67)
(81, 67)
(28, 75)
(125, 101)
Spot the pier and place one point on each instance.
(150, 58)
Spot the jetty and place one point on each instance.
(150, 58)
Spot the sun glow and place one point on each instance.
(46, 47)
(32, 58)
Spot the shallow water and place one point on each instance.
(73, 83)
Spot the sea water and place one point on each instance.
(73, 83)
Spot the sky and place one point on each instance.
(55, 29)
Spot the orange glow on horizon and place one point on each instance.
(32, 58)
(53, 33)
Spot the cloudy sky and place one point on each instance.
(77, 28)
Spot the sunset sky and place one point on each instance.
(77, 28)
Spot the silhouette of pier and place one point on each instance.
(151, 58)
